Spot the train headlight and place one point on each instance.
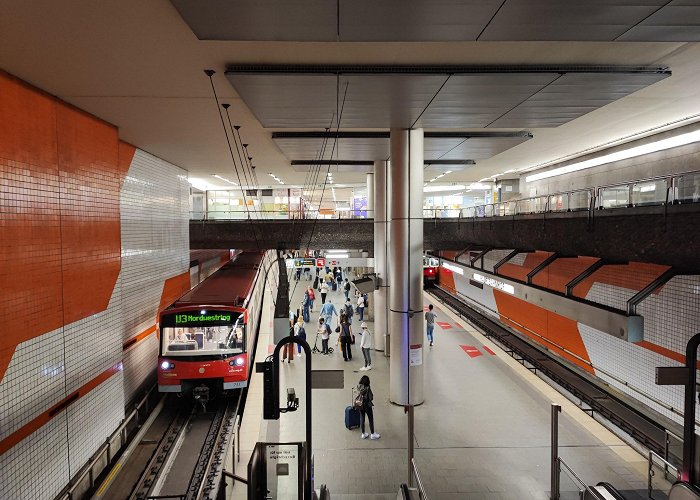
(237, 362)
(167, 365)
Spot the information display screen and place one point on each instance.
(201, 318)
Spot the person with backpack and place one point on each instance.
(430, 323)
(346, 288)
(361, 307)
(364, 403)
(348, 310)
(345, 338)
(366, 345)
(300, 332)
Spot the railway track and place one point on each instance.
(187, 461)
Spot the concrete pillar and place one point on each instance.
(370, 194)
(406, 257)
(381, 250)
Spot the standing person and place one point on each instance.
(300, 332)
(346, 288)
(361, 307)
(325, 331)
(288, 349)
(327, 312)
(346, 338)
(430, 323)
(305, 307)
(312, 297)
(366, 408)
(366, 345)
(297, 274)
(339, 276)
(324, 291)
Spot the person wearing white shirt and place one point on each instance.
(366, 345)
(361, 307)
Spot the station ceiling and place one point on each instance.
(573, 75)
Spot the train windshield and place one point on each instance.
(204, 339)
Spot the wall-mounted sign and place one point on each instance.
(494, 283)
(305, 262)
(453, 268)
(320, 262)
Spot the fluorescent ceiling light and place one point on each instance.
(337, 256)
(433, 189)
(202, 185)
(478, 185)
(224, 179)
(337, 250)
(653, 147)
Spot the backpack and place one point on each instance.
(348, 310)
(347, 286)
(359, 401)
(302, 332)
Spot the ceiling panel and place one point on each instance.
(483, 148)
(677, 21)
(309, 101)
(414, 20)
(298, 20)
(349, 149)
(441, 20)
(567, 19)
(573, 95)
(476, 100)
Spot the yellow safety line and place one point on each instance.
(109, 479)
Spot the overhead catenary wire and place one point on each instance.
(210, 73)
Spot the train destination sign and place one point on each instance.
(200, 318)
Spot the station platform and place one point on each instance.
(483, 431)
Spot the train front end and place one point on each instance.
(202, 349)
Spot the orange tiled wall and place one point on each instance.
(59, 220)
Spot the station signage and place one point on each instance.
(305, 262)
(199, 319)
(494, 283)
(320, 262)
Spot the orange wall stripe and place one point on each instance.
(56, 409)
(138, 338)
(667, 353)
(173, 289)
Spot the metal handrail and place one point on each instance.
(574, 476)
(421, 489)
(666, 464)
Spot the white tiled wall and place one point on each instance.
(155, 247)
(43, 371)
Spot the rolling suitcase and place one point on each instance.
(352, 416)
(334, 286)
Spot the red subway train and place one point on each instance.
(430, 269)
(208, 335)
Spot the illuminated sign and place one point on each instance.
(320, 262)
(199, 318)
(181, 319)
(452, 268)
(493, 283)
(305, 262)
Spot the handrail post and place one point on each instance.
(691, 358)
(554, 479)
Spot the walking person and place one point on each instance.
(346, 338)
(348, 310)
(288, 349)
(325, 331)
(366, 345)
(361, 307)
(300, 332)
(346, 289)
(312, 297)
(366, 397)
(306, 307)
(324, 291)
(430, 323)
(327, 312)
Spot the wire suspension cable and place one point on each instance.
(210, 73)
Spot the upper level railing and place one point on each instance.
(660, 190)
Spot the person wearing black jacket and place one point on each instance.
(366, 409)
